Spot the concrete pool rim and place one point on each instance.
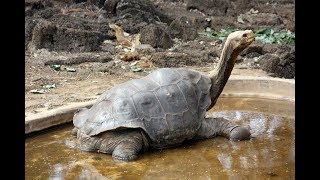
(237, 86)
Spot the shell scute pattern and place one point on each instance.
(190, 95)
(171, 99)
(147, 105)
(169, 105)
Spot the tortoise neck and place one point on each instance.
(220, 75)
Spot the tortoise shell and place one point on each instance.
(168, 104)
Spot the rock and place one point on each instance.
(80, 58)
(284, 48)
(144, 49)
(269, 48)
(32, 6)
(241, 6)
(28, 28)
(173, 59)
(99, 3)
(47, 13)
(108, 46)
(156, 35)
(283, 67)
(42, 35)
(183, 28)
(47, 35)
(202, 23)
(76, 40)
(175, 0)
(178, 59)
(132, 15)
(86, 24)
(210, 7)
(255, 47)
(261, 19)
(276, 48)
(49, 28)
(252, 55)
(108, 67)
(79, 1)
(220, 22)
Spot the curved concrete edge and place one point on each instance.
(263, 87)
(237, 86)
(253, 95)
(53, 117)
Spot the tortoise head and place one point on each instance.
(239, 40)
(114, 26)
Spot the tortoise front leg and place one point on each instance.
(212, 127)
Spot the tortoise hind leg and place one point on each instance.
(87, 143)
(212, 127)
(127, 150)
(130, 146)
(124, 145)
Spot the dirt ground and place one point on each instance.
(56, 77)
(86, 83)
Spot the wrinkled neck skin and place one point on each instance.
(220, 75)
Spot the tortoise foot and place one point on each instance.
(240, 133)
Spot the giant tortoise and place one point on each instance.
(162, 109)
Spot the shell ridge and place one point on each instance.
(184, 97)
(148, 77)
(134, 86)
(134, 106)
(165, 119)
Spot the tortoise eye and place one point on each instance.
(244, 35)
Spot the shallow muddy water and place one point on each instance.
(270, 154)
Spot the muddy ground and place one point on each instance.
(72, 55)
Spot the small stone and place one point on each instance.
(272, 174)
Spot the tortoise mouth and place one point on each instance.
(250, 39)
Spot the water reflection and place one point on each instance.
(225, 160)
(271, 153)
(56, 172)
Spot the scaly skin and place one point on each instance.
(124, 145)
(236, 42)
(212, 127)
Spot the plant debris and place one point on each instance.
(70, 69)
(39, 91)
(265, 35)
(135, 68)
(45, 88)
(56, 67)
(49, 86)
